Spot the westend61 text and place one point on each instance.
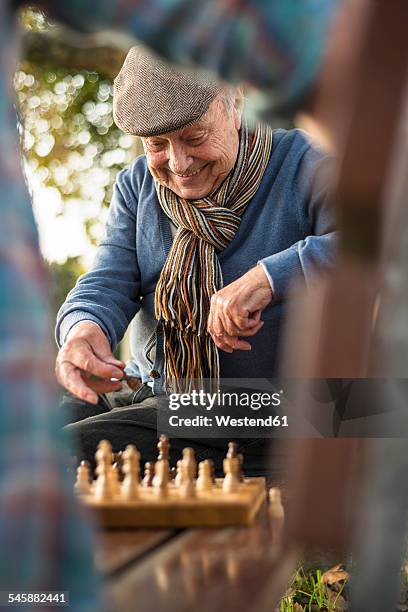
(255, 401)
(228, 421)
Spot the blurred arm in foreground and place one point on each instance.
(37, 511)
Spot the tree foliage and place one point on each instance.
(69, 140)
(70, 143)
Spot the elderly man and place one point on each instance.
(205, 233)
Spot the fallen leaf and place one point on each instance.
(335, 574)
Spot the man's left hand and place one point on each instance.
(236, 310)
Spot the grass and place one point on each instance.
(313, 590)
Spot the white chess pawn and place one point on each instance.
(277, 520)
(161, 473)
(131, 467)
(188, 468)
(82, 484)
(104, 447)
(276, 509)
(104, 490)
(231, 482)
(114, 479)
(161, 478)
(190, 460)
(204, 480)
(179, 477)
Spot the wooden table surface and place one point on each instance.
(194, 569)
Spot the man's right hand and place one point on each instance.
(85, 363)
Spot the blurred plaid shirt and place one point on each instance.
(273, 45)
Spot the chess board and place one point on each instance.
(213, 508)
(181, 496)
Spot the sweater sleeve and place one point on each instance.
(109, 294)
(317, 250)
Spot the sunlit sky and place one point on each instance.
(62, 235)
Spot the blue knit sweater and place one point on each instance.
(288, 226)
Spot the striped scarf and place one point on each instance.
(192, 272)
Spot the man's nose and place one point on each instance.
(179, 159)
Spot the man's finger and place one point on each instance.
(70, 378)
(107, 357)
(230, 343)
(221, 344)
(217, 326)
(239, 345)
(102, 386)
(84, 359)
(250, 331)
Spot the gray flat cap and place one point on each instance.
(151, 97)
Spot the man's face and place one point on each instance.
(194, 160)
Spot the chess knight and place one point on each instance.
(205, 233)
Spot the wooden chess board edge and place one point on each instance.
(231, 510)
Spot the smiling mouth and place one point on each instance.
(190, 174)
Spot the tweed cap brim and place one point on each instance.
(152, 97)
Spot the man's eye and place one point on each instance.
(196, 140)
(156, 146)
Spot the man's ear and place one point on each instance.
(238, 106)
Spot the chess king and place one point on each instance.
(205, 233)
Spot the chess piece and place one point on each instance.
(161, 473)
(179, 477)
(173, 473)
(276, 509)
(204, 481)
(188, 473)
(114, 478)
(161, 478)
(104, 490)
(241, 471)
(118, 461)
(148, 474)
(189, 458)
(163, 446)
(277, 520)
(83, 479)
(231, 482)
(106, 447)
(232, 450)
(130, 484)
(212, 466)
